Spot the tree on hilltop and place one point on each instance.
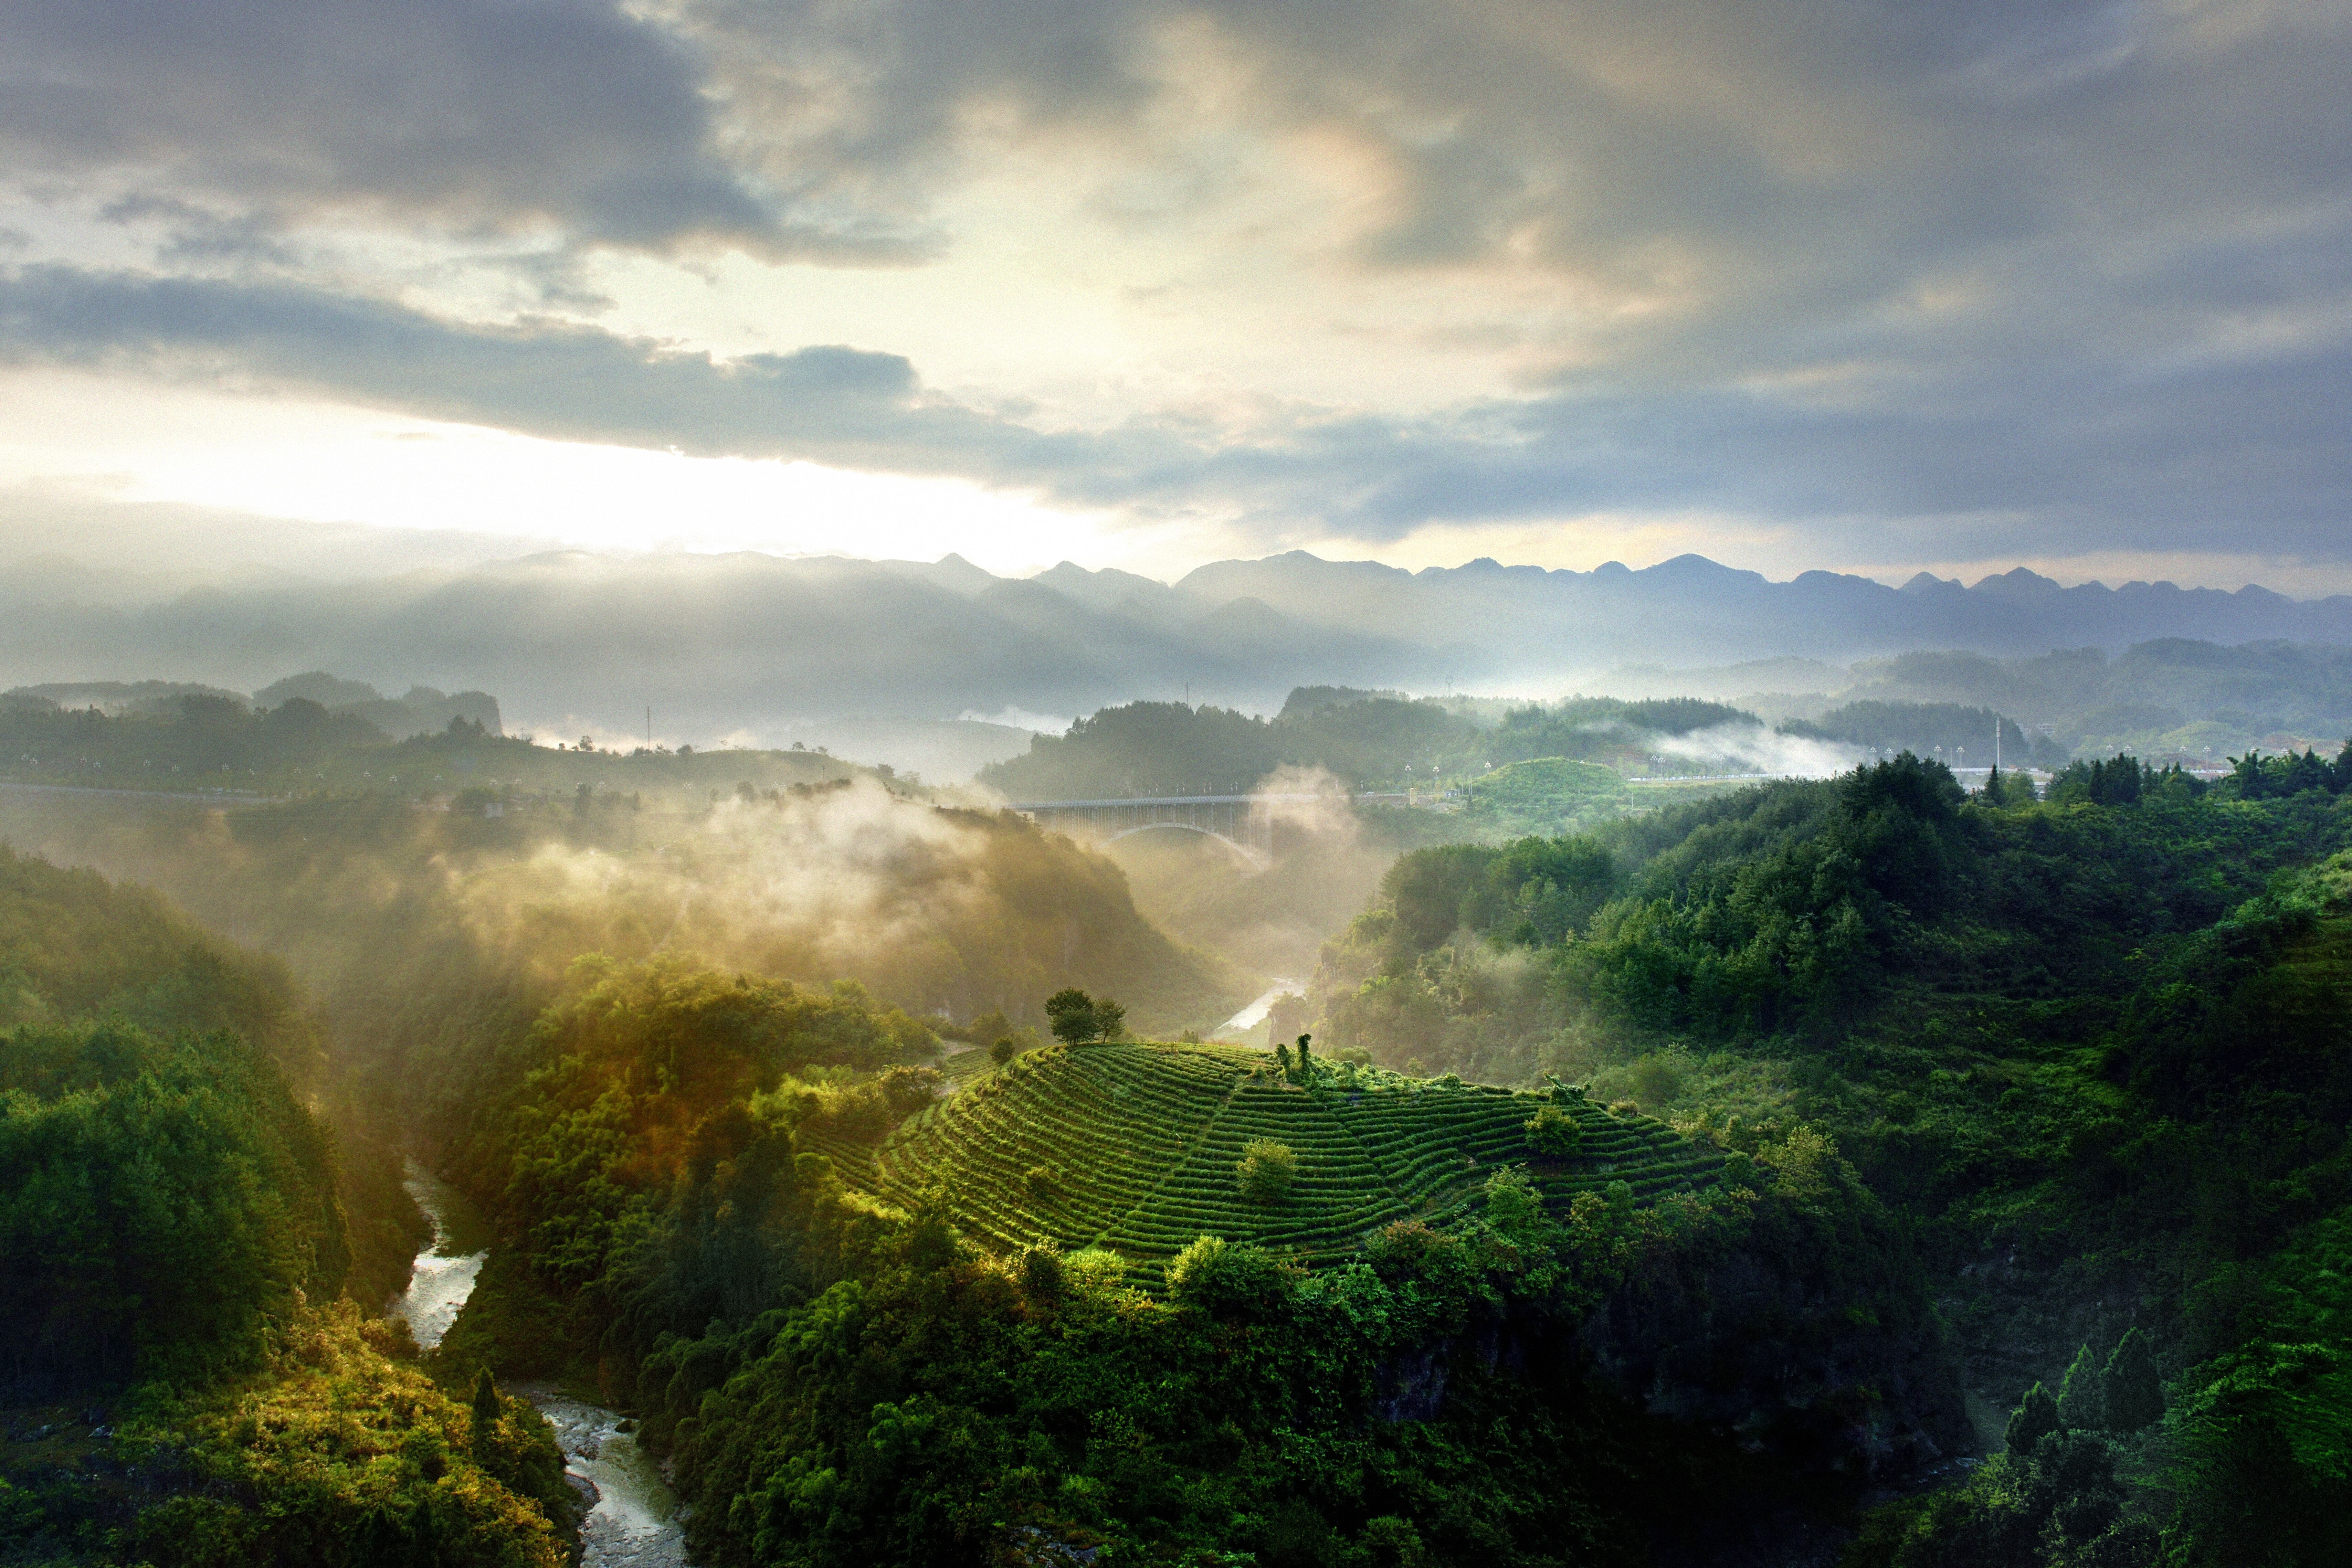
(1077, 1017)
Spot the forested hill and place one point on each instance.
(214, 742)
(162, 1190)
(184, 1379)
(2094, 1048)
(428, 936)
(1172, 1302)
(73, 945)
(1366, 739)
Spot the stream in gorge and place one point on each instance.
(633, 1515)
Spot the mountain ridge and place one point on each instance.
(748, 639)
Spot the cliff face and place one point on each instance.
(1852, 1385)
(1863, 1388)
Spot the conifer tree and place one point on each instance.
(2081, 1403)
(486, 1412)
(2035, 1418)
(2135, 1393)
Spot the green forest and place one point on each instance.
(2093, 1047)
(1863, 1167)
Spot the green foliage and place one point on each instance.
(2263, 1444)
(159, 1203)
(642, 1072)
(1265, 1171)
(429, 941)
(2255, 776)
(2082, 1398)
(486, 1407)
(2133, 1393)
(340, 1457)
(1078, 1018)
(1170, 748)
(1924, 729)
(2124, 780)
(74, 946)
(1546, 795)
(1226, 1279)
(169, 1213)
(1145, 1141)
(1553, 1134)
(2265, 1461)
(2058, 1504)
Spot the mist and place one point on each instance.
(1273, 920)
(1754, 748)
(947, 913)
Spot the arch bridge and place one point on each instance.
(1245, 822)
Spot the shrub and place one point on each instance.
(1410, 1246)
(1226, 1279)
(1005, 1049)
(1389, 1542)
(1265, 1171)
(906, 1089)
(1039, 1180)
(1553, 1132)
(1095, 1270)
(1655, 1082)
(1041, 1271)
(1514, 1207)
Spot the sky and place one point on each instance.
(1822, 284)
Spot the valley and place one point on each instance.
(1788, 1136)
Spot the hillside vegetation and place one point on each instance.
(1058, 1308)
(187, 1384)
(430, 939)
(207, 741)
(1366, 739)
(1133, 1147)
(2094, 1048)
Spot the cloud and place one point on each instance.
(1959, 282)
(2123, 456)
(482, 117)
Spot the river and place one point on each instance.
(1250, 1016)
(633, 1517)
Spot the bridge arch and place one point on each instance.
(1248, 852)
(1243, 822)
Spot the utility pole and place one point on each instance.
(649, 727)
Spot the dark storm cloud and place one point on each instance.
(481, 116)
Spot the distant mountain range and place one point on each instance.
(752, 643)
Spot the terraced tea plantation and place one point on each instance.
(1133, 1146)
